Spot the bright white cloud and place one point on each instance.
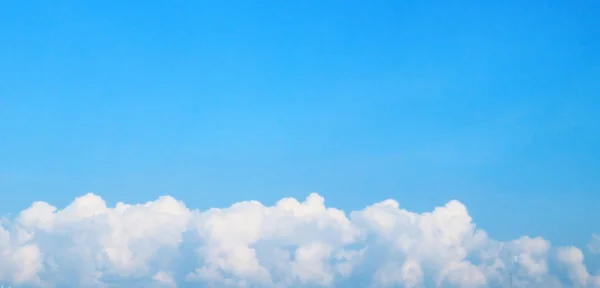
(162, 243)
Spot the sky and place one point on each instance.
(489, 103)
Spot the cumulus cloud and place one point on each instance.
(572, 259)
(163, 243)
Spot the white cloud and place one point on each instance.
(164, 279)
(572, 259)
(162, 243)
(594, 245)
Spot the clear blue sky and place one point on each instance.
(493, 103)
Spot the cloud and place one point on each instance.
(572, 259)
(162, 243)
(594, 245)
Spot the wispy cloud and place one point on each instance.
(594, 245)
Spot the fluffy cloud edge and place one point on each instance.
(163, 243)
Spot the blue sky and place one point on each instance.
(493, 103)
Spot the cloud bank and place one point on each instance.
(162, 243)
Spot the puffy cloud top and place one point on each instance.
(162, 243)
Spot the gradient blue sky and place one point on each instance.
(493, 103)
